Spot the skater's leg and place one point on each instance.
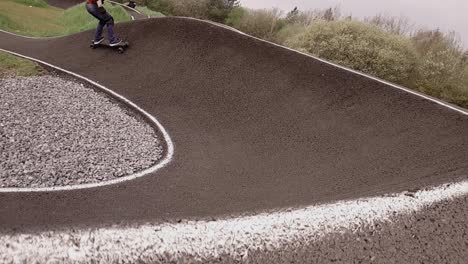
(102, 17)
(113, 40)
(105, 19)
(110, 29)
(99, 30)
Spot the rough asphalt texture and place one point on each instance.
(436, 234)
(255, 127)
(56, 132)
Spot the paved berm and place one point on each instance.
(255, 127)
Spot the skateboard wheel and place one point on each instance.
(121, 50)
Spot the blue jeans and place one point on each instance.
(105, 19)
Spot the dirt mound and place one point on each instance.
(255, 127)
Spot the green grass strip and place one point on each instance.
(14, 66)
(77, 19)
(36, 3)
(50, 21)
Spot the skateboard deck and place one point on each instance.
(120, 48)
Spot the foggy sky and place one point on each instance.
(427, 14)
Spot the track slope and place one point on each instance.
(255, 127)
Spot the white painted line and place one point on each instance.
(213, 241)
(170, 145)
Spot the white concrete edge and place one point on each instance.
(202, 241)
(161, 163)
(427, 97)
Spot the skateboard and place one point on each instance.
(120, 48)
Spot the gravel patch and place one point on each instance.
(58, 132)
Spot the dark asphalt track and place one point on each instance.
(255, 127)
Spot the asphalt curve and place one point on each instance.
(255, 127)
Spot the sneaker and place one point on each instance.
(96, 42)
(116, 42)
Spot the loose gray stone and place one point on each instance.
(56, 132)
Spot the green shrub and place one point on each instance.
(297, 21)
(455, 94)
(289, 31)
(441, 63)
(465, 76)
(166, 7)
(265, 23)
(219, 10)
(145, 10)
(187, 8)
(306, 18)
(359, 46)
(190, 8)
(36, 3)
(235, 16)
(215, 10)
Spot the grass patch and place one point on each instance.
(36, 3)
(5, 22)
(50, 21)
(145, 10)
(77, 19)
(14, 66)
(36, 18)
(31, 21)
